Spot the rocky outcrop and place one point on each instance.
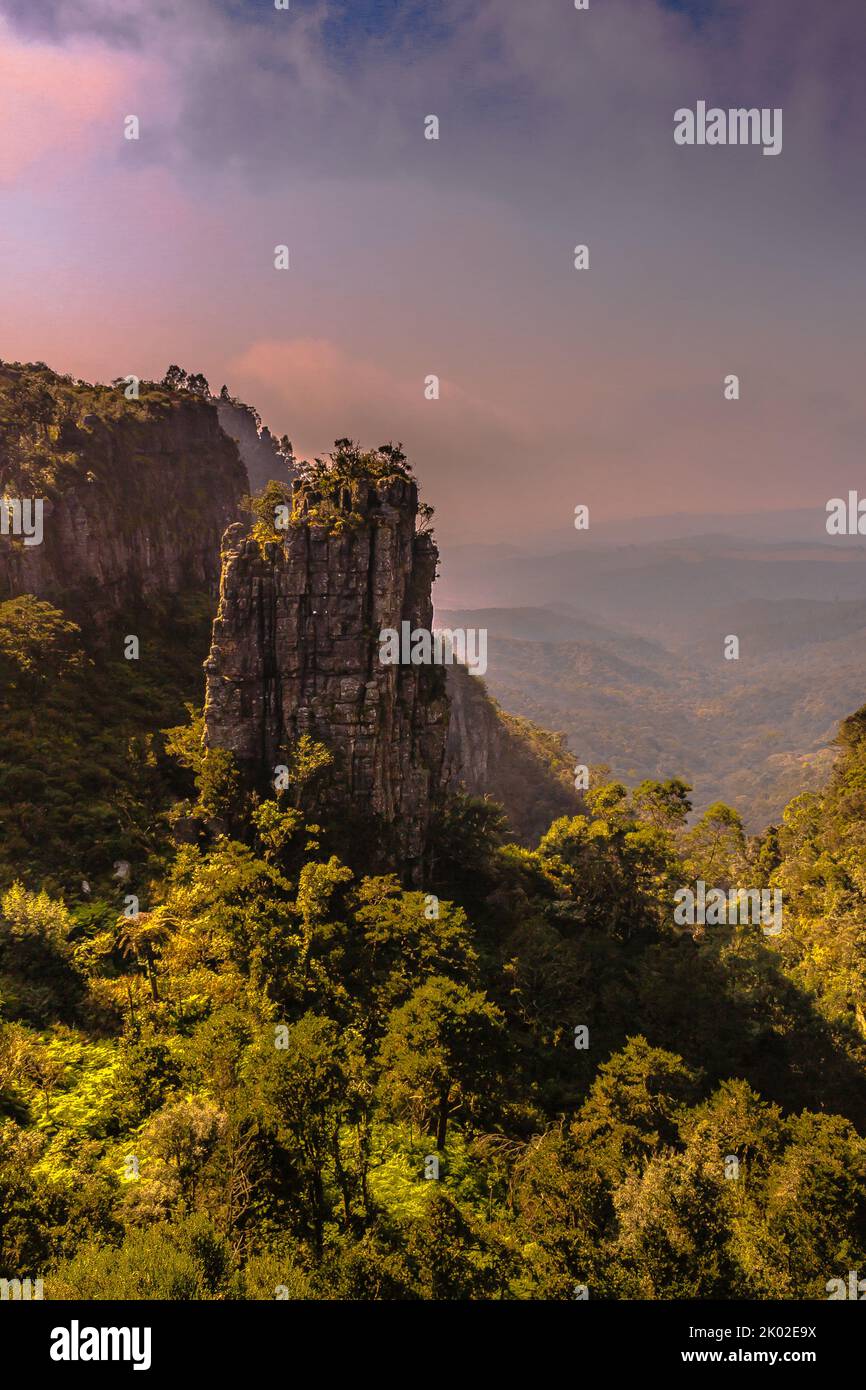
(136, 497)
(136, 494)
(296, 651)
(264, 456)
(511, 760)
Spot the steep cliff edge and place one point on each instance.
(515, 762)
(136, 493)
(296, 648)
(264, 456)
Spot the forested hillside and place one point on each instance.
(238, 1060)
(241, 1091)
(669, 704)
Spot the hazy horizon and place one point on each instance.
(454, 257)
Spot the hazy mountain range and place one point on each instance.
(620, 647)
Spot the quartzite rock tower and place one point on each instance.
(296, 649)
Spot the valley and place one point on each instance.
(633, 674)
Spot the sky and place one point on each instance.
(411, 257)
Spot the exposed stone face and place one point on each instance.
(296, 650)
(487, 755)
(135, 504)
(134, 510)
(256, 445)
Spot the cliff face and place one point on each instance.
(137, 494)
(296, 651)
(491, 753)
(260, 451)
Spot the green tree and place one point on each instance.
(665, 805)
(38, 645)
(440, 1053)
(715, 848)
(304, 1089)
(635, 1105)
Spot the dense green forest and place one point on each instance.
(236, 1065)
(246, 1088)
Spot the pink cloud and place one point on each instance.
(319, 383)
(54, 100)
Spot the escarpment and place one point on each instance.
(264, 456)
(296, 651)
(491, 753)
(135, 494)
(134, 497)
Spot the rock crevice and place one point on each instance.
(296, 651)
(133, 508)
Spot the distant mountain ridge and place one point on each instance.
(752, 732)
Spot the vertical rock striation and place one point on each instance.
(527, 770)
(296, 651)
(135, 495)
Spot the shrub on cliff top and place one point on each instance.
(325, 491)
(349, 463)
